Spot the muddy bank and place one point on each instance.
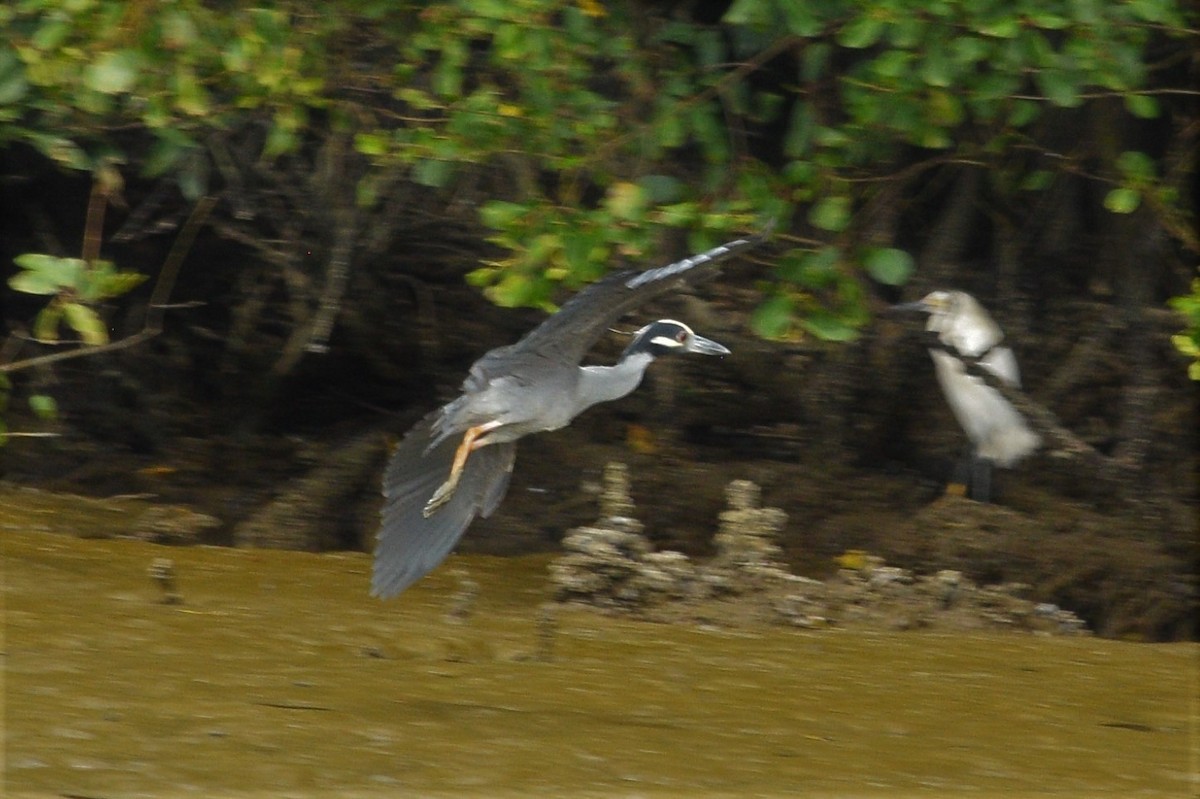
(275, 673)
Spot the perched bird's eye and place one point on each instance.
(681, 336)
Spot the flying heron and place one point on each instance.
(455, 463)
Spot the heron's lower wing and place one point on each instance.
(1001, 362)
(410, 544)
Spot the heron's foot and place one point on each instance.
(952, 490)
(441, 496)
(472, 440)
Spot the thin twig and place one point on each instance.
(94, 226)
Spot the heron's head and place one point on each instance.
(958, 319)
(941, 306)
(666, 336)
(935, 302)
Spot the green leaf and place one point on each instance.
(113, 73)
(13, 85)
(626, 201)
(1123, 200)
(1161, 11)
(46, 274)
(1185, 344)
(943, 109)
(34, 283)
(168, 150)
(1136, 164)
(373, 144)
(889, 265)
(43, 406)
(51, 35)
(84, 321)
(936, 68)
(1059, 87)
(366, 191)
(815, 60)
(1037, 180)
(513, 290)
(113, 284)
(1008, 27)
(773, 319)
(62, 151)
(190, 95)
(1024, 112)
(660, 189)
(756, 13)
(500, 214)
(1142, 105)
(179, 30)
(861, 33)
(893, 64)
(45, 324)
(831, 213)
(678, 214)
(483, 276)
(281, 138)
(1047, 19)
(803, 20)
(800, 130)
(829, 327)
(967, 50)
(432, 172)
(583, 251)
(813, 270)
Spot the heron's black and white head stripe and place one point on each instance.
(660, 338)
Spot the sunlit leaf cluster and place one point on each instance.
(76, 287)
(1187, 341)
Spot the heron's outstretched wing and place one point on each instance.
(569, 334)
(410, 545)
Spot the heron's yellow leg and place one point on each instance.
(470, 442)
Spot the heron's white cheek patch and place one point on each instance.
(663, 341)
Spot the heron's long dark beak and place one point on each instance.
(920, 306)
(706, 346)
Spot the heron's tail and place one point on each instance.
(409, 545)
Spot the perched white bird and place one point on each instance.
(966, 333)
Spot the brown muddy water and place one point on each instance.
(276, 675)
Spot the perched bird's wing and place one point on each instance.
(1001, 362)
(569, 334)
(410, 545)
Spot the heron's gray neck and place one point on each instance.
(605, 383)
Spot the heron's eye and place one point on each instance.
(681, 336)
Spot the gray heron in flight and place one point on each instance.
(455, 463)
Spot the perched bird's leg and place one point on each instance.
(960, 478)
(470, 442)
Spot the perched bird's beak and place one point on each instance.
(706, 346)
(920, 306)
